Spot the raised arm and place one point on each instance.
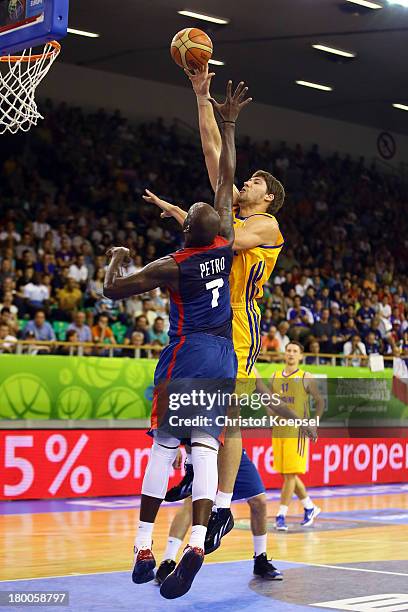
(168, 210)
(209, 132)
(228, 112)
(160, 273)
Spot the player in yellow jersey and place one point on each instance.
(258, 242)
(290, 446)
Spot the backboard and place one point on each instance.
(28, 23)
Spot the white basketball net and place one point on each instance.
(19, 77)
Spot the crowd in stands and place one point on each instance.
(72, 188)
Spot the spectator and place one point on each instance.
(365, 315)
(266, 321)
(270, 344)
(71, 336)
(26, 260)
(65, 256)
(350, 329)
(384, 308)
(298, 314)
(317, 311)
(354, 347)
(157, 332)
(69, 299)
(7, 318)
(371, 344)
(7, 340)
(78, 271)
(282, 336)
(323, 330)
(95, 287)
(8, 302)
(6, 270)
(36, 293)
(101, 332)
(39, 328)
(135, 341)
(315, 359)
(309, 299)
(25, 247)
(338, 338)
(349, 313)
(156, 349)
(82, 330)
(141, 326)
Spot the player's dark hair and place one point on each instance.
(276, 188)
(296, 343)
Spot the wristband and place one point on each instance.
(233, 122)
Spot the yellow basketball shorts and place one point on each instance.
(290, 454)
(246, 334)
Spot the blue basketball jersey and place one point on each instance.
(203, 301)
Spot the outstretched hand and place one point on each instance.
(154, 199)
(118, 253)
(234, 102)
(201, 81)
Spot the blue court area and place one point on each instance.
(218, 587)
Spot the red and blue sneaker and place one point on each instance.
(179, 582)
(144, 566)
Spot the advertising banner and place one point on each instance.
(44, 464)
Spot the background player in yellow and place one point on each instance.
(258, 242)
(290, 446)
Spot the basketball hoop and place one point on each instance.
(19, 77)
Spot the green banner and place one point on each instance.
(354, 397)
(52, 387)
(60, 387)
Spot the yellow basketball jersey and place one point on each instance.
(252, 268)
(290, 445)
(292, 390)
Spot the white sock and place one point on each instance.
(307, 503)
(173, 545)
(223, 500)
(197, 536)
(144, 535)
(259, 544)
(188, 459)
(283, 510)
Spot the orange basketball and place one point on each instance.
(191, 48)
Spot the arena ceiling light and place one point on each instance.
(403, 107)
(399, 2)
(367, 4)
(83, 33)
(216, 62)
(204, 17)
(314, 85)
(334, 51)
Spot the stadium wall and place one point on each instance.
(140, 99)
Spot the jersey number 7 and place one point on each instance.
(215, 286)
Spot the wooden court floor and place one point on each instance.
(360, 527)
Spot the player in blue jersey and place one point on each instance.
(249, 487)
(200, 348)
